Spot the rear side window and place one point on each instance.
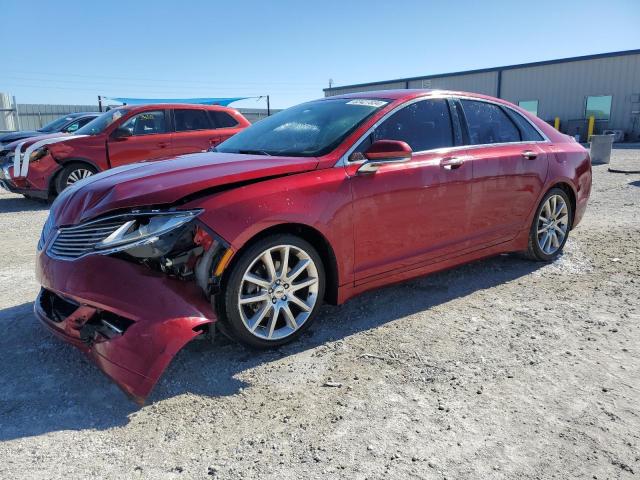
(146, 123)
(527, 131)
(222, 119)
(191, 119)
(487, 123)
(423, 125)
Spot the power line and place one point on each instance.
(156, 80)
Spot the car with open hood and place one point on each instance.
(44, 166)
(319, 202)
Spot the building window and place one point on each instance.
(599, 106)
(530, 106)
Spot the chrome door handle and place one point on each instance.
(529, 155)
(451, 163)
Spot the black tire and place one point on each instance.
(229, 304)
(67, 173)
(534, 250)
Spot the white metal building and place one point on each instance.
(605, 85)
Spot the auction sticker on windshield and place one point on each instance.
(367, 102)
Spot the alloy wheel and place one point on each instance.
(553, 224)
(78, 174)
(278, 292)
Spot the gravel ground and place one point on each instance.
(498, 369)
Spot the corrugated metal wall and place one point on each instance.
(561, 89)
(369, 88)
(485, 83)
(35, 115)
(255, 114)
(32, 116)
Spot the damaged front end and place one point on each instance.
(130, 289)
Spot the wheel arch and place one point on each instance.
(568, 189)
(64, 163)
(311, 235)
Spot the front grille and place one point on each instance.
(74, 242)
(46, 232)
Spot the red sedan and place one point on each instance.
(317, 203)
(43, 166)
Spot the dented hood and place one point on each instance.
(167, 181)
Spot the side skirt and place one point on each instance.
(519, 243)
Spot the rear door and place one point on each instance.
(194, 131)
(509, 169)
(414, 212)
(150, 139)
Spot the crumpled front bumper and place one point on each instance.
(37, 183)
(162, 315)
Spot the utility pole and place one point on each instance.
(268, 107)
(330, 82)
(99, 103)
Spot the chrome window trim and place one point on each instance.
(344, 160)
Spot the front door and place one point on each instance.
(150, 139)
(415, 212)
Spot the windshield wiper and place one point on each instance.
(254, 152)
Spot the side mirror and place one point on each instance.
(121, 133)
(382, 152)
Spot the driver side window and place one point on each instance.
(72, 127)
(146, 123)
(423, 125)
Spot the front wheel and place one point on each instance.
(273, 292)
(73, 173)
(550, 228)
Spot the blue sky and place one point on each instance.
(69, 52)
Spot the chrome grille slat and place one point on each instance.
(90, 236)
(70, 251)
(87, 238)
(74, 242)
(102, 229)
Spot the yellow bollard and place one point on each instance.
(592, 122)
(556, 123)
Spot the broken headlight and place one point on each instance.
(146, 231)
(172, 243)
(38, 154)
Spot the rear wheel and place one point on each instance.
(550, 228)
(73, 173)
(273, 292)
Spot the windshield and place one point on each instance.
(307, 130)
(56, 125)
(98, 124)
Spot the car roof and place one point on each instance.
(409, 93)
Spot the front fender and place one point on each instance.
(319, 199)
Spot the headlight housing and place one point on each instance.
(38, 154)
(145, 229)
(148, 234)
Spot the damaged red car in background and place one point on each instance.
(317, 203)
(43, 166)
